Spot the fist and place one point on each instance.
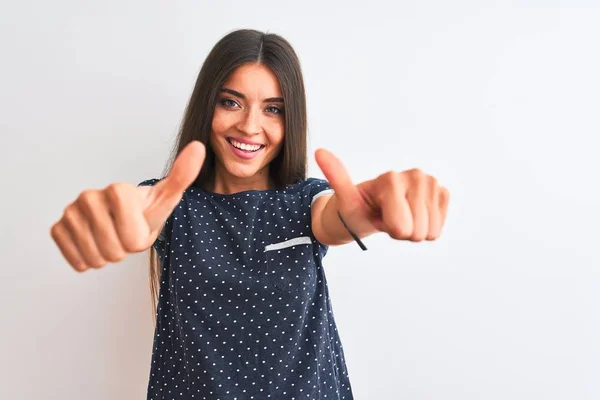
(106, 225)
(411, 204)
(407, 205)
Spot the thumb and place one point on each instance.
(166, 194)
(337, 176)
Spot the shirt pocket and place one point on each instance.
(290, 265)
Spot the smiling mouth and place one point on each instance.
(245, 150)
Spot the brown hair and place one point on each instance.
(233, 50)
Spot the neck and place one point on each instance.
(225, 183)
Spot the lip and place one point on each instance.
(246, 141)
(242, 154)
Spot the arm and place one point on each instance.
(327, 226)
(408, 205)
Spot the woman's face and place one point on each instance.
(249, 114)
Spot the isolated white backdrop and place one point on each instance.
(499, 100)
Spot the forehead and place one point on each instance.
(254, 81)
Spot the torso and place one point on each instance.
(244, 308)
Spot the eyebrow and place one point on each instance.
(241, 96)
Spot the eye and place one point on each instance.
(275, 110)
(228, 103)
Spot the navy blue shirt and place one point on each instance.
(244, 309)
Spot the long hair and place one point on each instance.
(233, 50)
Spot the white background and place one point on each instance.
(498, 100)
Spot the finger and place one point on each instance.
(125, 210)
(444, 200)
(79, 230)
(433, 210)
(417, 199)
(96, 209)
(397, 219)
(337, 175)
(67, 247)
(166, 194)
(420, 220)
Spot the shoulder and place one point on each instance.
(313, 188)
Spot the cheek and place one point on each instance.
(221, 122)
(276, 133)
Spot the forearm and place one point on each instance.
(335, 231)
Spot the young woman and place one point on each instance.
(239, 232)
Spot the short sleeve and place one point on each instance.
(160, 244)
(312, 189)
(317, 188)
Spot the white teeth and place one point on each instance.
(245, 146)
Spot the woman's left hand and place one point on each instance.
(408, 205)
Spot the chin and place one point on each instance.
(243, 174)
(247, 172)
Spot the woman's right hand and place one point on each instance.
(106, 225)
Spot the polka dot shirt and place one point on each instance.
(244, 309)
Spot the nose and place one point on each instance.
(250, 123)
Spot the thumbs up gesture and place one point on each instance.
(106, 225)
(408, 205)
